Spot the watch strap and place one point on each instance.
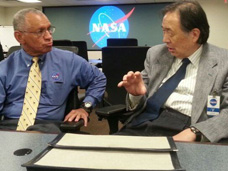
(87, 109)
(196, 132)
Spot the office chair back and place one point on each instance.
(82, 48)
(62, 43)
(81, 45)
(12, 49)
(69, 48)
(116, 62)
(122, 42)
(1, 53)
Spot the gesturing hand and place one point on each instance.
(133, 83)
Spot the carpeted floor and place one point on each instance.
(96, 127)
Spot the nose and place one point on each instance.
(165, 38)
(47, 35)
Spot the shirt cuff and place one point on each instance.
(134, 101)
(91, 100)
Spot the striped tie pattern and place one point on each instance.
(32, 97)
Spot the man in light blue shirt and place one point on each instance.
(61, 72)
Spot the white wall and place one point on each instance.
(217, 14)
(10, 11)
(7, 13)
(6, 30)
(97, 54)
(2, 16)
(7, 38)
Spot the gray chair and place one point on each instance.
(69, 48)
(12, 49)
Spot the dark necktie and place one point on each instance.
(155, 102)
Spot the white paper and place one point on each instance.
(115, 160)
(131, 142)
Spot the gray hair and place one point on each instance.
(19, 18)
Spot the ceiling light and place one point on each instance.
(30, 1)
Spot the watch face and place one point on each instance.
(88, 104)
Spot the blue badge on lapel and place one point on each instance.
(213, 105)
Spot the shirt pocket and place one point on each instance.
(54, 92)
(57, 91)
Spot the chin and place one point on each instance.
(47, 49)
(173, 54)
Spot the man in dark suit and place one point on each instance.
(197, 109)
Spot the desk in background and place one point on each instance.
(192, 156)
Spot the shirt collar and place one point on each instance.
(28, 58)
(194, 58)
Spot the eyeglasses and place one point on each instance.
(42, 32)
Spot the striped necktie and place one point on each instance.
(32, 97)
(155, 102)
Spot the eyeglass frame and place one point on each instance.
(41, 33)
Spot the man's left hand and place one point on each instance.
(185, 135)
(77, 114)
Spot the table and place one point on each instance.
(203, 157)
(192, 156)
(12, 141)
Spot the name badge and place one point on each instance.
(213, 105)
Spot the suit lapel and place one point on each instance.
(159, 72)
(206, 75)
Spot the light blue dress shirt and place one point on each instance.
(61, 72)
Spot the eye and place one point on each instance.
(40, 31)
(169, 32)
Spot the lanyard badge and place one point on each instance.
(213, 105)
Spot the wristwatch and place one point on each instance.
(87, 106)
(196, 132)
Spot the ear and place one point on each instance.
(19, 37)
(195, 33)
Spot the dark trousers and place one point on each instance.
(43, 126)
(169, 123)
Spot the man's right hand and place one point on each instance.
(133, 83)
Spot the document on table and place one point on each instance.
(107, 160)
(114, 142)
(107, 152)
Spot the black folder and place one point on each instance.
(104, 157)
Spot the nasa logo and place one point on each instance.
(55, 76)
(108, 22)
(213, 102)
